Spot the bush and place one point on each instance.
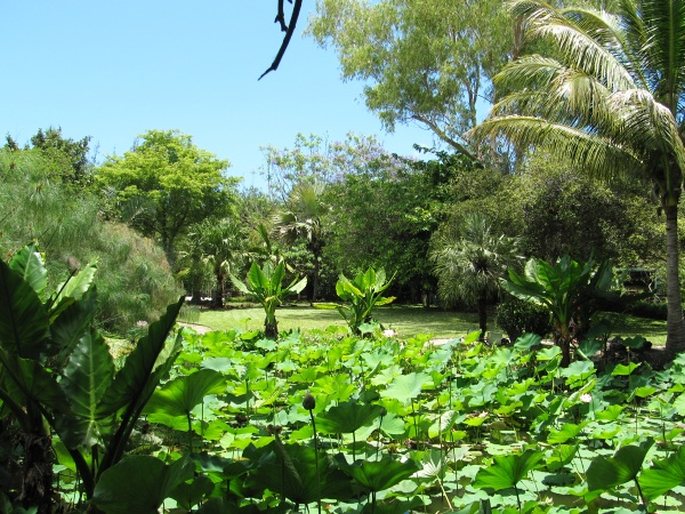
(134, 281)
(517, 317)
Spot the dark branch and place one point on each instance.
(280, 17)
(297, 6)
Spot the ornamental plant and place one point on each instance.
(265, 285)
(363, 294)
(58, 378)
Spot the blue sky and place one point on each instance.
(113, 70)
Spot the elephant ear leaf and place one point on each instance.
(136, 381)
(72, 324)
(139, 484)
(24, 323)
(74, 287)
(87, 376)
(28, 263)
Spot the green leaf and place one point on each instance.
(190, 494)
(139, 484)
(24, 320)
(73, 323)
(606, 473)
(87, 377)
(28, 264)
(407, 387)
(76, 286)
(623, 370)
(507, 470)
(297, 288)
(135, 382)
(664, 475)
(378, 475)
(181, 395)
(27, 378)
(348, 417)
(567, 432)
(291, 471)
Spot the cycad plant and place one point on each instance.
(470, 266)
(609, 95)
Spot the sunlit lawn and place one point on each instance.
(408, 321)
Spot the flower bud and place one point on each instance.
(309, 402)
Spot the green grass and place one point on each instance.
(408, 321)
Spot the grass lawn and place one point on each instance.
(407, 320)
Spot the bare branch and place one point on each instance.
(289, 31)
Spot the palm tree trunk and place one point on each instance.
(675, 328)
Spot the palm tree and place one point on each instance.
(302, 220)
(469, 268)
(220, 244)
(609, 96)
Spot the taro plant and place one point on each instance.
(265, 284)
(567, 289)
(57, 377)
(363, 294)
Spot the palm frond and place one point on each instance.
(600, 156)
(578, 48)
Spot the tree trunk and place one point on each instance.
(315, 280)
(482, 318)
(219, 291)
(675, 338)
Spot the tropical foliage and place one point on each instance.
(265, 284)
(469, 269)
(607, 93)
(362, 295)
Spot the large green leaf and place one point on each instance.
(348, 417)
(27, 379)
(72, 323)
(28, 264)
(378, 475)
(24, 325)
(606, 473)
(136, 381)
(139, 484)
(293, 471)
(181, 395)
(76, 286)
(87, 376)
(507, 470)
(407, 387)
(664, 475)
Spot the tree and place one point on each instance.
(69, 157)
(165, 185)
(423, 61)
(469, 267)
(219, 244)
(302, 219)
(610, 96)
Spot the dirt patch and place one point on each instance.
(200, 329)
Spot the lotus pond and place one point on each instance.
(381, 425)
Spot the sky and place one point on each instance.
(113, 70)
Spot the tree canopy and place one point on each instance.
(165, 184)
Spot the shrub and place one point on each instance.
(517, 317)
(134, 282)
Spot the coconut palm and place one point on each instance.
(469, 268)
(610, 96)
(302, 220)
